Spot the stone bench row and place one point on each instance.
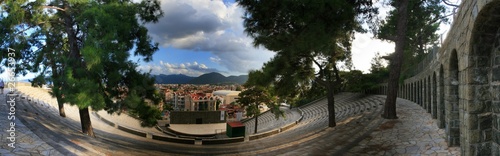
(321, 120)
(312, 106)
(319, 110)
(269, 121)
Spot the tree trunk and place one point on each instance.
(331, 107)
(396, 62)
(57, 92)
(256, 123)
(75, 57)
(60, 103)
(86, 123)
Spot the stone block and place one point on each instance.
(471, 120)
(485, 121)
(486, 135)
(498, 49)
(494, 118)
(495, 149)
(455, 132)
(496, 136)
(479, 75)
(454, 117)
(483, 92)
(496, 73)
(495, 107)
(495, 92)
(454, 107)
(474, 136)
(482, 61)
(484, 149)
(478, 106)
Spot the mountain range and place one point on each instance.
(209, 78)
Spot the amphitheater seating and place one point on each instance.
(305, 120)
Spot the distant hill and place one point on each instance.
(173, 79)
(209, 78)
(217, 78)
(237, 79)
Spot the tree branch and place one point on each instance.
(20, 32)
(437, 19)
(448, 3)
(320, 81)
(53, 7)
(319, 66)
(391, 38)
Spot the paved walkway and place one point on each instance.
(25, 141)
(413, 133)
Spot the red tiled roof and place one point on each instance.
(235, 124)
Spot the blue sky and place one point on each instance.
(202, 36)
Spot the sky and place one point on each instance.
(203, 36)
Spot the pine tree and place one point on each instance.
(86, 45)
(412, 27)
(253, 98)
(305, 34)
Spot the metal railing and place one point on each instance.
(417, 68)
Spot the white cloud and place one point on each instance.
(364, 49)
(203, 25)
(211, 25)
(190, 69)
(215, 59)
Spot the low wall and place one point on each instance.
(222, 141)
(265, 134)
(131, 131)
(287, 127)
(175, 140)
(191, 117)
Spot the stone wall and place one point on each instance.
(460, 84)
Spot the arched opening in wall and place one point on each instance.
(434, 95)
(413, 91)
(441, 107)
(407, 91)
(483, 96)
(424, 93)
(452, 116)
(420, 93)
(419, 90)
(416, 92)
(428, 95)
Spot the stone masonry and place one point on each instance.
(460, 83)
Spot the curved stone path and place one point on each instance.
(25, 141)
(359, 126)
(413, 133)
